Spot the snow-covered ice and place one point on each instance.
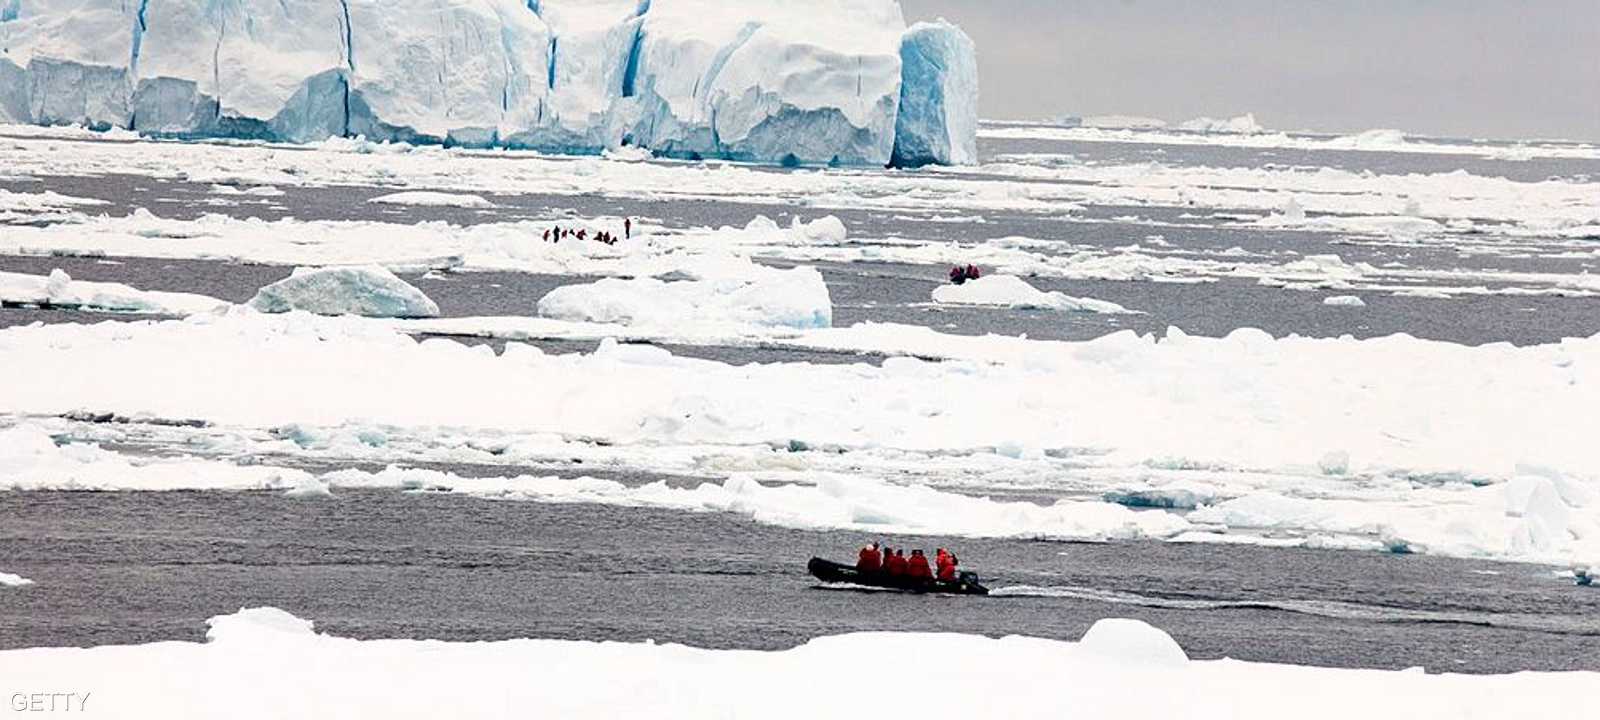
(30, 459)
(59, 290)
(793, 298)
(1344, 301)
(1259, 418)
(433, 199)
(1014, 292)
(768, 80)
(368, 291)
(1023, 677)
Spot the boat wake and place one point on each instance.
(1320, 608)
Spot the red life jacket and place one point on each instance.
(895, 565)
(947, 571)
(868, 561)
(917, 567)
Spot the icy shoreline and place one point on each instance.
(260, 661)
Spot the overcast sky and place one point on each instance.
(1474, 68)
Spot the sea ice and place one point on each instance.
(368, 291)
(1014, 292)
(793, 298)
(59, 290)
(1344, 301)
(433, 199)
(1110, 673)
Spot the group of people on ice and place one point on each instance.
(896, 563)
(558, 233)
(959, 274)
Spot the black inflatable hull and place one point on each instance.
(829, 571)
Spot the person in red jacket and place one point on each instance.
(917, 566)
(895, 564)
(947, 569)
(869, 560)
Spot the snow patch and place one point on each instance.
(1344, 301)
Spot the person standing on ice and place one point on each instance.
(869, 560)
(627, 228)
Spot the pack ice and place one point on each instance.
(833, 81)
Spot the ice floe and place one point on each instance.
(368, 291)
(1014, 292)
(433, 199)
(794, 298)
(13, 580)
(59, 290)
(30, 459)
(1024, 677)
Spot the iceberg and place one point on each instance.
(369, 291)
(938, 118)
(762, 81)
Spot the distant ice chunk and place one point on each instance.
(59, 290)
(1240, 125)
(257, 624)
(938, 119)
(794, 298)
(1344, 301)
(369, 291)
(1122, 122)
(13, 580)
(433, 199)
(1012, 291)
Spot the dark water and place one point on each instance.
(138, 567)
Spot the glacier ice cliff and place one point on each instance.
(825, 82)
